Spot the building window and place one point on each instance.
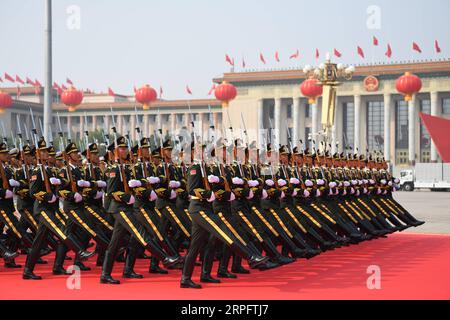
(425, 140)
(375, 125)
(446, 106)
(401, 131)
(308, 110)
(349, 123)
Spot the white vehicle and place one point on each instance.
(434, 176)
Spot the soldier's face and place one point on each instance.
(284, 158)
(94, 158)
(75, 157)
(3, 156)
(155, 160)
(145, 152)
(168, 153)
(59, 163)
(43, 154)
(123, 152)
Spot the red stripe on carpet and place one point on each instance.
(413, 266)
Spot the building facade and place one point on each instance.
(370, 114)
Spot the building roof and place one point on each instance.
(430, 68)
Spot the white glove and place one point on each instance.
(294, 193)
(332, 184)
(309, 183)
(173, 194)
(385, 192)
(365, 181)
(345, 192)
(306, 193)
(153, 180)
(8, 194)
(132, 200)
(318, 193)
(357, 193)
(250, 195)
(101, 183)
(360, 182)
(371, 181)
(378, 191)
(294, 181)
(397, 180)
(354, 182)
(383, 181)
(264, 194)
(213, 179)
(212, 198)
(134, 183)
(352, 190)
(320, 182)
(281, 182)
(237, 181)
(365, 190)
(346, 184)
(253, 183)
(282, 195)
(98, 195)
(83, 184)
(174, 184)
(340, 184)
(390, 183)
(232, 197)
(270, 183)
(77, 197)
(55, 181)
(53, 199)
(153, 196)
(14, 183)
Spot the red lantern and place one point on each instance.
(409, 84)
(311, 89)
(5, 101)
(72, 98)
(145, 95)
(225, 92)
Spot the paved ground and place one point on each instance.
(432, 207)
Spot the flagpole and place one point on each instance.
(48, 69)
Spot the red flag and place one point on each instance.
(295, 55)
(9, 78)
(361, 52)
(1, 80)
(68, 81)
(160, 92)
(63, 87)
(243, 63)
(19, 80)
(134, 89)
(37, 90)
(110, 92)
(261, 57)
(317, 54)
(228, 59)
(29, 81)
(375, 41)
(212, 89)
(188, 90)
(277, 56)
(416, 47)
(389, 51)
(337, 53)
(37, 83)
(437, 47)
(56, 86)
(439, 129)
(19, 92)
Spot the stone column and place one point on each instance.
(69, 125)
(434, 100)
(94, 123)
(357, 101)
(387, 126)
(296, 119)
(339, 123)
(412, 131)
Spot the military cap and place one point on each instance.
(156, 152)
(168, 144)
(283, 150)
(71, 148)
(13, 152)
(42, 145)
(59, 155)
(145, 143)
(26, 149)
(93, 148)
(51, 151)
(135, 150)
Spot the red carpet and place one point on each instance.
(412, 267)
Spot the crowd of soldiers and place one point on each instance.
(226, 201)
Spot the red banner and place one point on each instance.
(439, 129)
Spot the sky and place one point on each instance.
(174, 43)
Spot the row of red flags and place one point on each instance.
(359, 50)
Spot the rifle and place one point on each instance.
(22, 158)
(40, 164)
(142, 162)
(117, 159)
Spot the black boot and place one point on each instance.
(130, 261)
(29, 275)
(82, 266)
(107, 269)
(188, 283)
(208, 279)
(11, 264)
(155, 268)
